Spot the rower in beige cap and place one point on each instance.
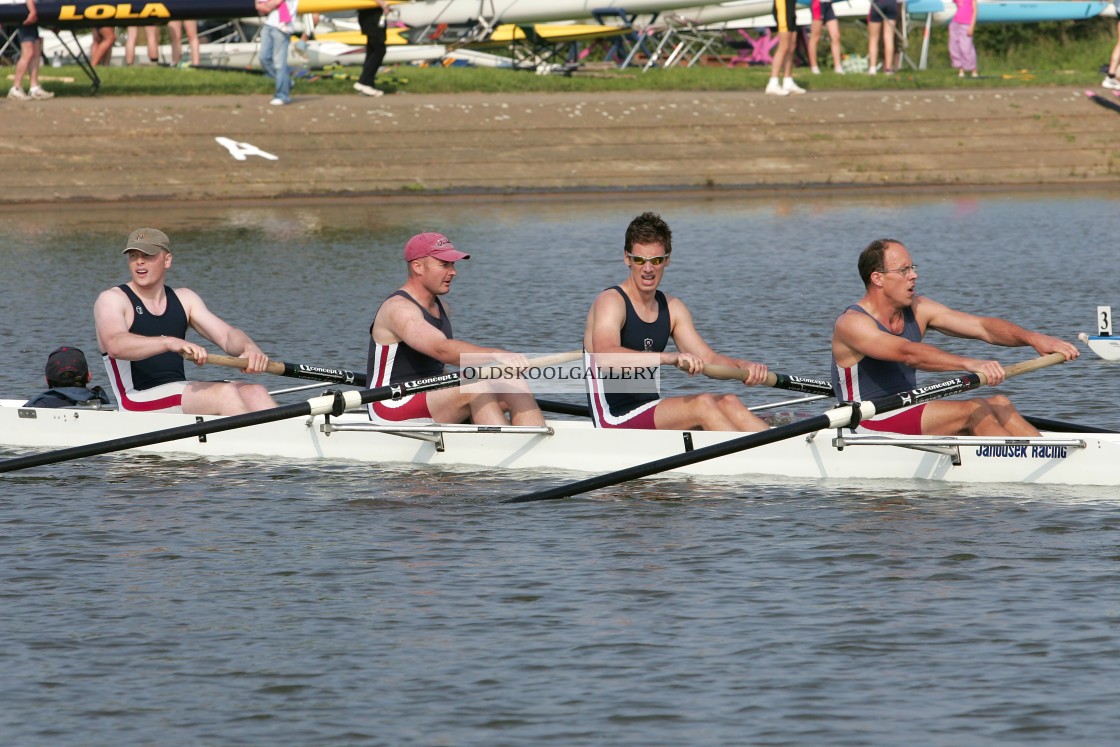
(141, 327)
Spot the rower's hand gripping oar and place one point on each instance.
(334, 404)
(840, 417)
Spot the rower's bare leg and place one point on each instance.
(225, 398)
(488, 409)
(707, 412)
(1008, 418)
(741, 418)
(483, 408)
(992, 416)
(452, 406)
(522, 409)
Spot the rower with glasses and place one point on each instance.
(636, 316)
(877, 350)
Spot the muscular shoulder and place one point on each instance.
(396, 316)
(678, 311)
(853, 324)
(187, 297)
(112, 297)
(926, 310)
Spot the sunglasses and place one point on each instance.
(639, 260)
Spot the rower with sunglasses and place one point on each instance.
(636, 316)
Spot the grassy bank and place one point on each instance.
(1051, 54)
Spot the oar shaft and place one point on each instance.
(294, 370)
(832, 419)
(342, 376)
(776, 380)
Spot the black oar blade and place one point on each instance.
(832, 419)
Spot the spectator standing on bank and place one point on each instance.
(1110, 81)
(882, 19)
(370, 22)
(824, 15)
(151, 37)
(30, 52)
(175, 31)
(101, 53)
(276, 36)
(962, 50)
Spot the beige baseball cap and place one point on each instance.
(148, 240)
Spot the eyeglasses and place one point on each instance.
(903, 271)
(639, 260)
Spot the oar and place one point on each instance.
(842, 416)
(727, 373)
(294, 370)
(1061, 426)
(777, 380)
(342, 376)
(334, 404)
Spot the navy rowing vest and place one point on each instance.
(871, 378)
(390, 364)
(647, 337)
(165, 367)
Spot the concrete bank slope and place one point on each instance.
(160, 148)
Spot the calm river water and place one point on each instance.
(159, 601)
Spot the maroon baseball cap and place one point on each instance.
(67, 366)
(432, 245)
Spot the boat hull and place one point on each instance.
(577, 446)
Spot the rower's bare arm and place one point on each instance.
(403, 321)
(110, 316)
(995, 331)
(218, 331)
(689, 341)
(1002, 332)
(856, 336)
(604, 324)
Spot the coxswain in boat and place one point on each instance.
(411, 338)
(68, 380)
(141, 327)
(636, 316)
(877, 350)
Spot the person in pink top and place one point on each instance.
(1110, 81)
(962, 52)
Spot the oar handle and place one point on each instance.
(555, 359)
(1015, 369)
(273, 367)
